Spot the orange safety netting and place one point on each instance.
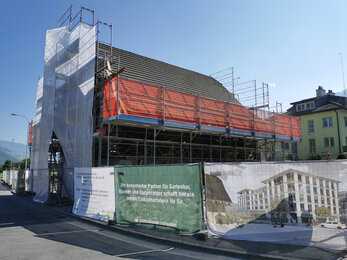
(30, 133)
(143, 100)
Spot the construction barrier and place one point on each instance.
(135, 99)
(17, 180)
(28, 181)
(4, 176)
(164, 197)
(302, 203)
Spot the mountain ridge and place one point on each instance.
(11, 150)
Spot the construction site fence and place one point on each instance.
(166, 197)
(302, 202)
(128, 97)
(17, 180)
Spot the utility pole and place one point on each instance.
(343, 78)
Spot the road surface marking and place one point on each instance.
(68, 232)
(145, 252)
(4, 224)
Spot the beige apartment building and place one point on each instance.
(302, 191)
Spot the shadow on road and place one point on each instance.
(44, 223)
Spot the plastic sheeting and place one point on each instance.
(28, 181)
(64, 103)
(148, 101)
(301, 203)
(18, 180)
(6, 177)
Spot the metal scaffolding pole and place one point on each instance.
(190, 148)
(220, 148)
(108, 144)
(211, 148)
(181, 148)
(145, 148)
(154, 148)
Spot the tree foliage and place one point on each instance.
(322, 212)
(14, 165)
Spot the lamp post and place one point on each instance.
(26, 145)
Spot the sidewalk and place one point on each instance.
(237, 248)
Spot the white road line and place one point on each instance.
(67, 232)
(10, 223)
(145, 252)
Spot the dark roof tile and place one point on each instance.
(159, 73)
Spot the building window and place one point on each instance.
(310, 125)
(309, 199)
(302, 207)
(290, 177)
(300, 107)
(291, 187)
(328, 142)
(299, 180)
(307, 179)
(327, 121)
(312, 143)
(305, 106)
(285, 145)
(295, 147)
(345, 120)
(321, 183)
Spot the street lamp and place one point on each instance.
(26, 145)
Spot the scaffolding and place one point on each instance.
(141, 123)
(147, 124)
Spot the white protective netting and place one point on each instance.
(64, 104)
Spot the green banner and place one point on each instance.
(166, 197)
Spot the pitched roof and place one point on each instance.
(330, 106)
(159, 73)
(324, 103)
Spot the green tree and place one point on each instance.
(7, 165)
(21, 164)
(322, 212)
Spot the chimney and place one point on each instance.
(331, 93)
(320, 92)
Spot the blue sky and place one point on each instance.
(293, 44)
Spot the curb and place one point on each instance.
(186, 245)
(198, 247)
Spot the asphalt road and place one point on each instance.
(30, 231)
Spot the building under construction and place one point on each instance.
(98, 105)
